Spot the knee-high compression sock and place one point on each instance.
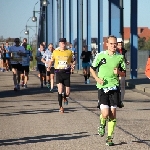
(18, 78)
(15, 79)
(102, 120)
(111, 126)
(60, 99)
(65, 95)
(85, 77)
(48, 74)
(88, 76)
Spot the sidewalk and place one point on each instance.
(142, 83)
(29, 118)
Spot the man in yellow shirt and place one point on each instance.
(63, 60)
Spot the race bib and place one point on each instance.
(109, 89)
(62, 65)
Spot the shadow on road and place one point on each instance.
(38, 111)
(42, 138)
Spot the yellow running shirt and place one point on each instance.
(62, 58)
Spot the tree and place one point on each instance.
(147, 45)
(127, 46)
(1, 39)
(141, 43)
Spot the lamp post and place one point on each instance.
(34, 18)
(21, 32)
(45, 3)
(27, 31)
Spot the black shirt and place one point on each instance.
(87, 54)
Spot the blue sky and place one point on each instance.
(15, 13)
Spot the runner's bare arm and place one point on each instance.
(43, 60)
(93, 72)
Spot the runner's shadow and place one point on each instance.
(37, 111)
(43, 138)
(141, 141)
(121, 143)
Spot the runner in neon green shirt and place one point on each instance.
(107, 63)
(29, 48)
(106, 71)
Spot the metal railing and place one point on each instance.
(142, 58)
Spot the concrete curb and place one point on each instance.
(140, 87)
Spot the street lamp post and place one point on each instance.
(34, 18)
(27, 31)
(21, 32)
(45, 3)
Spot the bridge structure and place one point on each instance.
(49, 29)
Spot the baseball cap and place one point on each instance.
(62, 40)
(119, 40)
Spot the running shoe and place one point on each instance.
(22, 84)
(101, 130)
(122, 105)
(48, 85)
(15, 89)
(88, 81)
(51, 90)
(25, 86)
(65, 100)
(18, 87)
(41, 85)
(61, 110)
(109, 141)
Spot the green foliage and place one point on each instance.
(147, 45)
(127, 46)
(142, 44)
(34, 62)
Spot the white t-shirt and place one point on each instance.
(47, 56)
(16, 59)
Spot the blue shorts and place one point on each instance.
(86, 65)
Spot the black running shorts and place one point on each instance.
(41, 69)
(52, 70)
(17, 66)
(111, 98)
(64, 78)
(25, 69)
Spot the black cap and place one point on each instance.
(62, 40)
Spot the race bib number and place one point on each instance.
(16, 57)
(62, 65)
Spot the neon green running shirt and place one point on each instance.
(29, 47)
(106, 69)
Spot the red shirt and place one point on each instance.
(120, 51)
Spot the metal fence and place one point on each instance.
(142, 58)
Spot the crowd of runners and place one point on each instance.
(108, 68)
